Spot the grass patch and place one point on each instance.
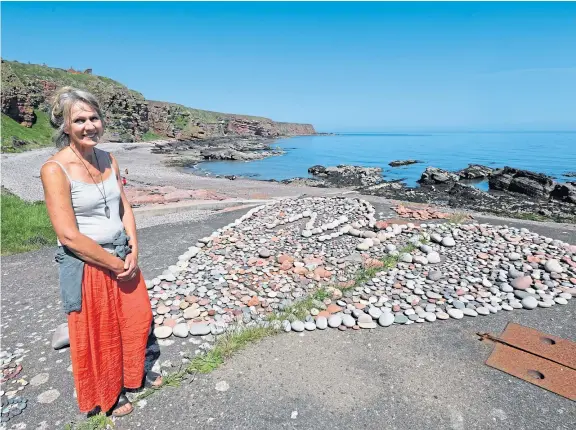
(458, 218)
(96, 422)
(149, 135)
(25, 226)
(37, 136)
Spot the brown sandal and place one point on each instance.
(122, 401)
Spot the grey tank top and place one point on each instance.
(88, 204)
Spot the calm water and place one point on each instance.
(553, 153)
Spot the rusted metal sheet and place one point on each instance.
(539, 358)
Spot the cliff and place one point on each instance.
(27, 90)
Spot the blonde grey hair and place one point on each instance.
(64, 99)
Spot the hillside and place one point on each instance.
(27, 90)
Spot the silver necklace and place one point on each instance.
(106, 208)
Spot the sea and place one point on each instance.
(552, 153)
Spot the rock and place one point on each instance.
(522, 282)
(286, 326)
(433, 175)
(482, 311)
(406, 258)
(521, 181)
(309, 325)
(321, 323)
(199, 329)
(469, 312)
(163, 331)
(435, 275)
(348, 320)
(430, 316)
(475, 171)
(529, 302)
(433, 258)
(180, 330)
(191, 312)
(345, 175)
(263, 253)
(298, 326)
(334, 320)
(448, 241)
(565, 192)
(455, 313)
(386, 319)
(400, 319)
(553, 266)
(398, 163)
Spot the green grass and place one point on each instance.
(96, 422)
(149, 135)
(37, 136)
(25, 226)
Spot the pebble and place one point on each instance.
(386, 319)
(163, 331)
(433, 258)
(321, 323)
(180, 330)
(298, 326)
(455, 313)
(529, 302)
(309, 325)
(334, 321)
(199, 329)
(400, 319)
(348, 320)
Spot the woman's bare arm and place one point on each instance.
(126, 213)
(59, 206)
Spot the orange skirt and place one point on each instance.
(108, 337)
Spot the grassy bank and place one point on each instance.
(25, 226)
(37, 136)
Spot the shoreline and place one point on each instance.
(160, 178)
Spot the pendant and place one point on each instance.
(107, 211)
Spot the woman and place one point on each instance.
(103, 291)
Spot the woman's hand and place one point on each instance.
(130, 267)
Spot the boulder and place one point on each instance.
(348, 176)
(475, 171)
(398, 163)
(520, 181)
(434, 175)
(565, 192)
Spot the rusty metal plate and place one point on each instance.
(553, 348)
(539, 358)
(536, 370)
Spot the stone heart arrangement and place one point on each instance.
(281, 252)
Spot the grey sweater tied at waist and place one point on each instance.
(71, 269)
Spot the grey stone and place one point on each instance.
(529, 302)
(386, 319)
(455, 313)
(297, 326)
(321, 323)
(334, 321)
(180, 330)
(310, 326)
(348, 320)
(199, 329)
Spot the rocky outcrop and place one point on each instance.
(434, 175)
(522, 181)
(565, 192)
(348, 176)
(398, 163)
(475, 171)
(129, 116)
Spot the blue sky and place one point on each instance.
(340, 66)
